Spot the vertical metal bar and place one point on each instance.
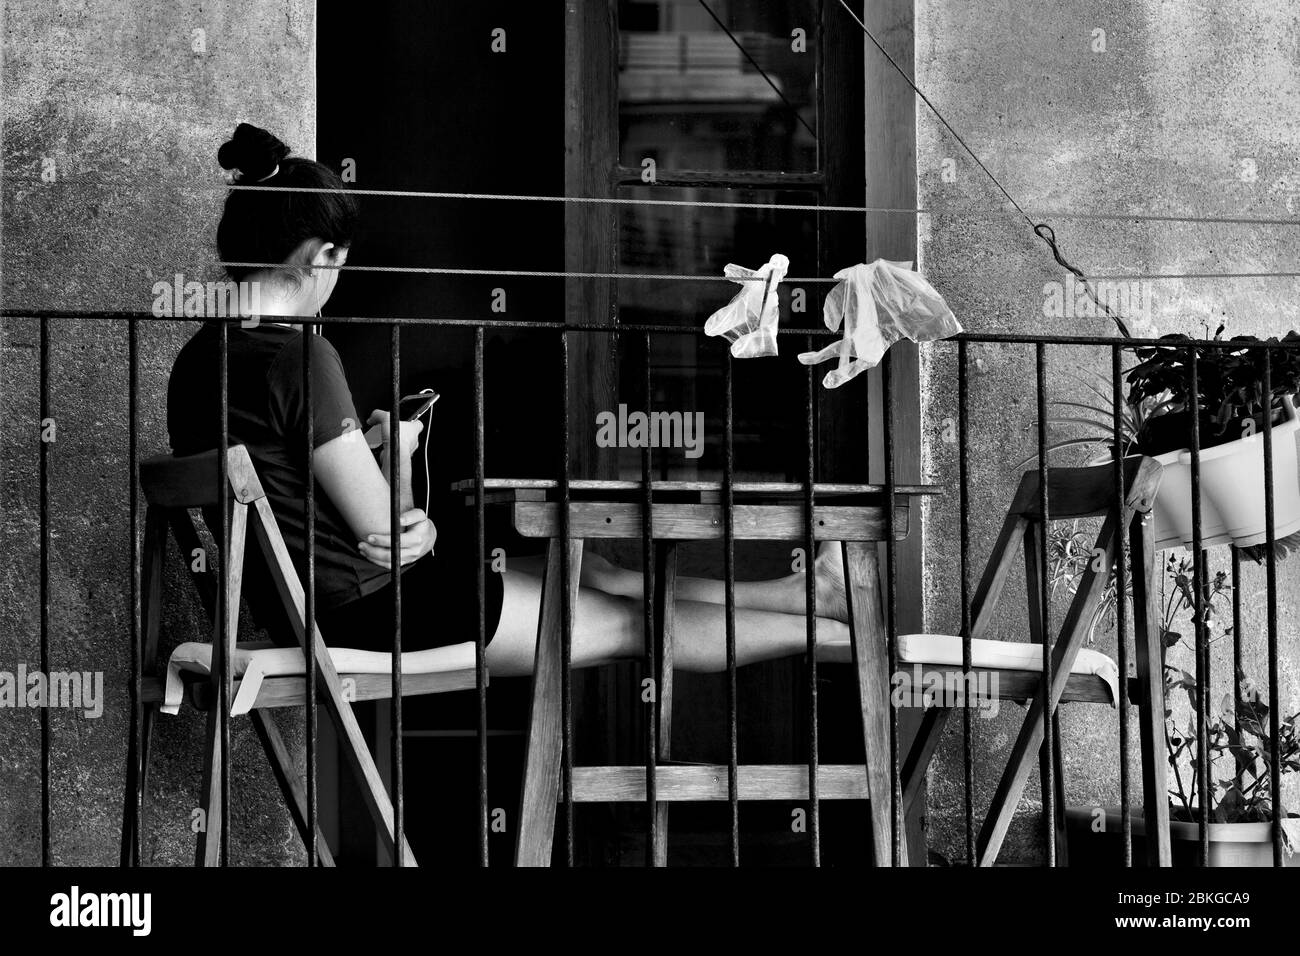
(1236, 639)
(133, 531)
(1049, 713)
(480, 642)
(395, 531)
(1274, 699)
(566, 611)
(309, 602)
(220, 643)
(810, 615)
(648, 582)
(891, 604)
(963, 482)
(1121, 601)
(1202, 639)
(44, 491)
(729, 585)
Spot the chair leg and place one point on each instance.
(354, 746)
(921, 752)
(295, 794)
(1034, 597)
(666, 555)
(541, 785)
(130, 821)
(207, 851)
(871, 665)
(1073, 631)
(153, 555)
(1151, 708)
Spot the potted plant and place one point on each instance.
(1156, 420)
(1230, 408)
(1241, 802)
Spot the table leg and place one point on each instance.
(871, 664)
(541, 786)
(666, 576)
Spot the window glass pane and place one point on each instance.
(686, 370)
(689, 98)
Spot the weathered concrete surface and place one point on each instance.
(1191, 110)
(117, 97)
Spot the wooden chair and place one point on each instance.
(172, 486)
(1072, 493)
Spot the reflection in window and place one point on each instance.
(689, 98)
(686, 370)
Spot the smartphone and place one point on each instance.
(375, 433)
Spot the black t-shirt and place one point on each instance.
(267, 413)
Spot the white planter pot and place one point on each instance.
(1231, 844)
(1232, 490)
(1232, 477)
(1173, 508)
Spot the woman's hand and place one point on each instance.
(418, 536)
(409, 432)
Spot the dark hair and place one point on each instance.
(268, 223)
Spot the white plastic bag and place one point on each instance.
(749, 320)
(878, 304)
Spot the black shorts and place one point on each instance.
(439, 607)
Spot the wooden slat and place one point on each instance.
(542, 757)
(740, 487)
(871, 669)
(705, 783)
(922, 751)
(685, 522)
(666, 620)
(1013, 685)
(190, 481)
(291, 691)
(1087, 492)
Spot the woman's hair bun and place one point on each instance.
(252, 154)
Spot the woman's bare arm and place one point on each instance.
(346, 469)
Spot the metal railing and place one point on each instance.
(1041, 346)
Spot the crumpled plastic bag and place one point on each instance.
(749, 320)
(878, 304)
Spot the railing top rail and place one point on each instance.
(977, 338)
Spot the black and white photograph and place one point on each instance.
(693, 435)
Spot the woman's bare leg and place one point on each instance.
(608, 627)
(784, 595)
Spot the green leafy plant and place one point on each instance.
(1230, 389)
(1237, 734)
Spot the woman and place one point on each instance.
(308, 234)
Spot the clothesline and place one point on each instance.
(679, 277)
(970, 213)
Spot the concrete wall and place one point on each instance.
(117, 97)
(1190, 109)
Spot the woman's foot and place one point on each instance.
(831, 600)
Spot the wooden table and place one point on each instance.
(854, 515)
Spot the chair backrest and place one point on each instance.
(191, 481)
(174, 484)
